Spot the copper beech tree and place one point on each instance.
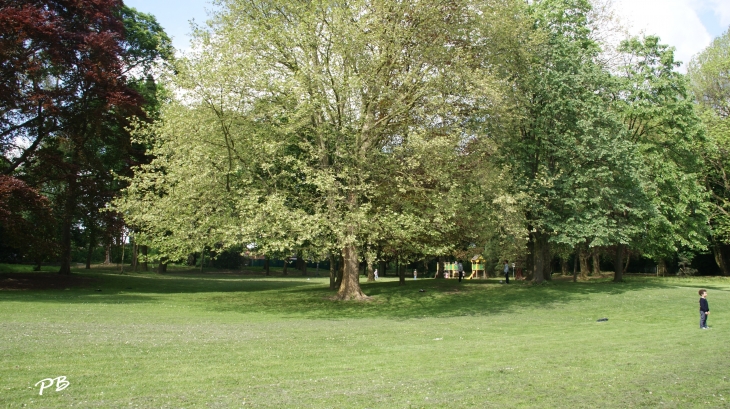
(66, 94)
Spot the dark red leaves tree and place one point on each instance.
(26, 222)
(66, 98)
(51, 54)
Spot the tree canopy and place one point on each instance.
(74, 74)
(393, 129)
(364, 131)
(320, 124)
(709, 73)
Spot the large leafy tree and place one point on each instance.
(709, 74)
(662, 124)
(571, 162)
(314, 124)
(67, 95)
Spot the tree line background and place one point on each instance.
(362, 132)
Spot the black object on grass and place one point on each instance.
(602, 319)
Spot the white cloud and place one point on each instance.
(676, 21)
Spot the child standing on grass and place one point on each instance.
(704, 309)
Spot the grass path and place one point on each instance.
(189, 340)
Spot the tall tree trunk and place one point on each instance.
(575, 265)
(538, 256)
(371, 272)
(66, 225)
(286, 266)
(333, 272)
(722, 257)
(135, 255)
(381, 268)
(162, 266)
(628, 259)
(618, 263)
(530, 260)
(401, 273)
(145, 266)
(92, 245)
(340, 271)
(583, 255)
(116, 239)
(108, 253)
(547, 260)
(304, 267)
(298, 263)
(122, 261)
(564, 266)
(661, 268)
(266, 265)
(350, 286)
(537, 264)
(440, 268)
(596, 262)
(144, 254)
(202, 258)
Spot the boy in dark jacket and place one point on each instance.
(704, 309)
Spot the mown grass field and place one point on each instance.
(187, 340)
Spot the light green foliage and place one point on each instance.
(318, 124)
(709, 73)
(492, 222)
(659, 115)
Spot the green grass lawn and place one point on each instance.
(186, 340)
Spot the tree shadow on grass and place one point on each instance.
(440, 298)
(105, 287)
(41, 281)
(297, 297)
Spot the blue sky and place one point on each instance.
(688, 25)
(175, 16)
